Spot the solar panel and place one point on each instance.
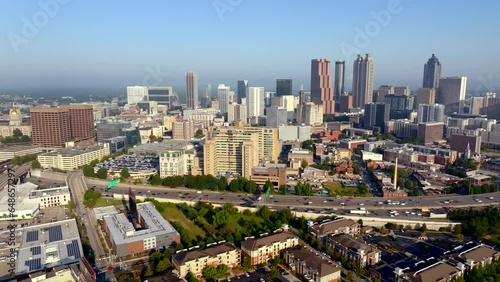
(55, 233)
(36, 250)
(73, 249)
(32, 236)
(34, 264)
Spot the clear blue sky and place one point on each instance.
(113, 43)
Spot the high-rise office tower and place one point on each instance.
(81, 122)
(223, 93)
(50, 126)
(276, 116)
(382, 91)
(339, 79)
(430, 113)
(321, 85)
(376, 114)
(362, 80)
(432, 73)
(242, 89)
(192, 90)
(426, 96)
(255, 101)
(283, 87)
(402, 91)
(345, 103)
(163, 95)
(206, 99)
(451, 92)
(136, 94)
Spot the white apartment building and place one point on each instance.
(255, 101)
(177, 160)
(136, 94)
(223, 93)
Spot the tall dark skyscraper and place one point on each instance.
(432, 73)
(192, 90)
(362, 81)
(283, 87)
(376, 114)
(321, 85)
(242, 89)
(339, 79)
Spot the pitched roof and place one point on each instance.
(321, 264)
(349, 242)
(330, 226)
(433, 273)
(212, 251)
(256, 243)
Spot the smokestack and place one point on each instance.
(396, 175)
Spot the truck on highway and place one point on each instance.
(359, 211)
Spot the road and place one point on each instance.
(77, 186)
(19, 170)
(303, 202)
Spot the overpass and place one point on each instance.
(19, 172)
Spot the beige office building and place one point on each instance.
(183, 130)
(72, 157)
(426, 96)
(310, 114)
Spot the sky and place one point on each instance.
(95, 44)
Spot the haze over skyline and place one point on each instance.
(96, 44)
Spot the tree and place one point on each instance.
(90, 198)
(423, 228)
(36, 165)
(268, 185)
(276, 260)
(309, 145)
(102, 173)
(88, 171)
(71, 205)
(198, 133)
(163, 265)
(382, 230)
(246, 263)
(360, 222)
(190, 277)
(460, 237)
(221, 218)
(125, 173)
(155, 180)
(274, 273)
(209, 272)
(17, 132)
(149, 272)
(303, 164)
(25, 139)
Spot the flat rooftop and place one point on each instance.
(17, 148)
(46, 245)
(160, 146)
(72, 151)
(123, 232)
(49, 192)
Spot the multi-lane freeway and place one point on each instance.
(304, 202)
(18, 171)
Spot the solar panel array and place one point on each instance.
(34, 264)
(32, 236)
(36, 250)
(73, 249)
(55, 233)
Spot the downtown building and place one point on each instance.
(283, 87)
(430, 113)
(236, 150)
(432, 73)
(57, 126)
(321, 85)
(237, 113)
(451, 93)
(191, 90)
(242, 89)
(177, 157)
(154, 232)
(223, 93)
(362, 81)
(339, 79)
(376, 114)
(255, 101)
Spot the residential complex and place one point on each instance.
(334, 227)
(312, 267)
(195, 260)
(354, 250)
(263, 249)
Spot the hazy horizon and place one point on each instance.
(111, 45)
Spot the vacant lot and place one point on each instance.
(336, 188)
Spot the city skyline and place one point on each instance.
(108, 51)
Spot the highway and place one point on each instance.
(19, 170)
(77, 186)
(304, 202)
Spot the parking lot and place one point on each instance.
(141, 165)
(250, 276)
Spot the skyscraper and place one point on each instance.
(255, 101)
(50, 126)
(81, 122)
(426, 96)
(242, 89)
(451, 93)
(136, 94)
(223, 97)
(164, 95)
(283, 87)
(432, 73)
(192, 90)
(321, 85)
(206, 99)
(339, 79)
(376, 114)
(362, 80)
(430, 113)
(276, 116)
